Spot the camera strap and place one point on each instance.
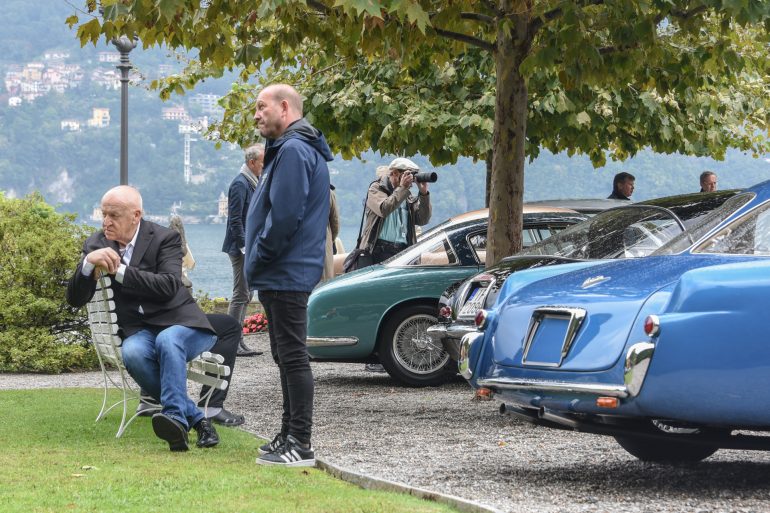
(363, 216)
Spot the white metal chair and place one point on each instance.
(206, 369)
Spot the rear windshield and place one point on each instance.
(747, 235)
(705, 224)
(631, 231)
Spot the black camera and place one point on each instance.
(430, 177)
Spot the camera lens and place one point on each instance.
(430, 177)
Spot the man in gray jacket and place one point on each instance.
(392, 215)
(238, 197)
(392, 212)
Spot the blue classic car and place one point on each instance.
(666, 353)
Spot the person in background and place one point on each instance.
(161, 324)
(238, 197)
(392, 216)
(285, 249)
(622, 186)
(708, 181)
(332, 231)
(393, 213)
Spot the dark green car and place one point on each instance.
(381, 313)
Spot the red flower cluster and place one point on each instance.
(255, 323)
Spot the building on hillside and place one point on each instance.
(55, 56)
(13, 81)
(96, 214)
(33, 71)
(222, 205)
(14, 101)
(207, 102)
(100, 118)
(107, 78)
(30, 90)
(70, 125)
(177, 112)
(109, 57)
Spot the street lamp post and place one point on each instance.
(124, 45)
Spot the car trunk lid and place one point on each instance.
(581, 320)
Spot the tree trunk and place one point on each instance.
(506, 196)
(488, 182)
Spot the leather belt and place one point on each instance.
(394, 246)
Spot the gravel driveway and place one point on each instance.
(443, 440)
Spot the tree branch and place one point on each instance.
(474, 16)
(682, 15)
(318, 6)
(551, 15)
(465, 38)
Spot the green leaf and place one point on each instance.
(583, 118)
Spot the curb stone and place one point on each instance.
(373, 483)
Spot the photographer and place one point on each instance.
(392, 212)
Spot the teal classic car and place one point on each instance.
(381, 313)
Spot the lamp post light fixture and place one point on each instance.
(124, 44)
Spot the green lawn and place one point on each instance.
(55, 458)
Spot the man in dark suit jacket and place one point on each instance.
(162, 326)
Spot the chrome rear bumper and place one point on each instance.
(637, 363)
(449, 336)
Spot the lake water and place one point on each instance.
(213, 273)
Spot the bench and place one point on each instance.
(206, 369)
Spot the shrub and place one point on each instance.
(39, 249)
(209, 304)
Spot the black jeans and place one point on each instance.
(229, 335)
(287, 320)
(383, 250)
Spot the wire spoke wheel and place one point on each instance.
(414, 349)
(409, 354)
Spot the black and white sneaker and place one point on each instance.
(290, 454)
(273, 446)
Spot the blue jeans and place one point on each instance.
(157, 360)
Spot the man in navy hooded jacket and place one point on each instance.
(285, 248)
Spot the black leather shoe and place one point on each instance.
(207, 435)
(171, 431)
(227, 418)
(244, 350)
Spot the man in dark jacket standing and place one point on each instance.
(162, 326)
(285, 247)
(622, 186)
(238, 197)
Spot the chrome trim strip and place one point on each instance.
(331, 341)
(463, 363)
(576, 317)
(555, 386)
(637, 362)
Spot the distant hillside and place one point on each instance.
(72, 169)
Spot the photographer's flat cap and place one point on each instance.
(403, 164)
